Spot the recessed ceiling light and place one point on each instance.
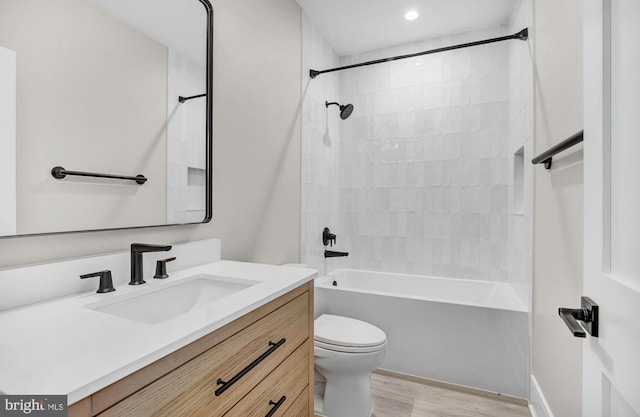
(411, 15)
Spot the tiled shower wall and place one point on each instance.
(424, 161)
(420, 178)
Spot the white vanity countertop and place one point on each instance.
(62, 347)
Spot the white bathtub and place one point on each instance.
(465, 332)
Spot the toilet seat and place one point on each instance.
(349, 349)
(344, 334)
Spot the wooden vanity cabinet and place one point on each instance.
(258, 365)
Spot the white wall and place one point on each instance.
(257, 129)
(320, 146)
(556, 354)
(257, 160)
(8, 141)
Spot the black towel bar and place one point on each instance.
(546, 157)
(59, 173)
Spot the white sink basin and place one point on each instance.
(166, 302)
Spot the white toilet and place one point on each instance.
(346, 350)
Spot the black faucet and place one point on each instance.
(137, 249)
(334, 254)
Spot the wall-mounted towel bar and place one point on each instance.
(59, 173)
(546, 157)
(182, 99)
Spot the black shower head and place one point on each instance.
(345, 111)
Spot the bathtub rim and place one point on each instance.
(325, 283)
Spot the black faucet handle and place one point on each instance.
(106, 282)
(328, 237)
(161, 268)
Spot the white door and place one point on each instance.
(611, 369)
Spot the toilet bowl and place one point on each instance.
(346, 350)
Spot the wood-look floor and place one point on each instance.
(394, 397)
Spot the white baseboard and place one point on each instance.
(538, 405)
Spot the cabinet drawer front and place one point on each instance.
(276, 393)
(192, 387)
(300, 407)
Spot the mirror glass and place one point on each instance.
(94, 87)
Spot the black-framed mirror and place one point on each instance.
(95, 94)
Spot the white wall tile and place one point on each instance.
(420, 172)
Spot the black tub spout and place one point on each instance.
(334, 254)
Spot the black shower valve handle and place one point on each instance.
(328, 238)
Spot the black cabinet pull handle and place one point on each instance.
(236, 378)
(275, 406)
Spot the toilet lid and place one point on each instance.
(348, 332)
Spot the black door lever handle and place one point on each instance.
(570, 317)
(588, 315)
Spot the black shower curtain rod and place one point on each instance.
(523, 35)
